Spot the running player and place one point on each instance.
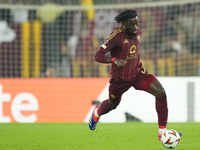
(127, 70)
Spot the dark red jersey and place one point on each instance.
(121, 46)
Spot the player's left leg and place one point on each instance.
(156, 89)
(149, 83)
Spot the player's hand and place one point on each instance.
(120, 62)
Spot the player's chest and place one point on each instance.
(129, 46)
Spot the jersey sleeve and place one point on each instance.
(110, 43)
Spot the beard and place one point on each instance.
(132, 34)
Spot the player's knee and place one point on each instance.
(160, 92)
(112, 105)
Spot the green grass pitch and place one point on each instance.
(107, 136)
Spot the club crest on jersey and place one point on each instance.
(132, 53)
(132, 49)
(104, 44)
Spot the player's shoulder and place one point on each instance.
(115, 32)
(139, 32)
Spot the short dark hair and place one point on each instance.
(125, 15)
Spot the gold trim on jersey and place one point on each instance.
(115, 33)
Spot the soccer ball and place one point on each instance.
(170, 139)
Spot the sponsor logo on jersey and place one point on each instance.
(132, 56)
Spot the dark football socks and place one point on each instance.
(162, 111)
(161, 108)
(103, 108)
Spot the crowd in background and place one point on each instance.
(76, 2)
(169, 42)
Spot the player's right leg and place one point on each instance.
(116, 90)
(104, 108)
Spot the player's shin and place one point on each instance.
(162, 111)
(103, 108)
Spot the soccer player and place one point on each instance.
(127, 70)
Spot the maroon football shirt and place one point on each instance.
(121, 46)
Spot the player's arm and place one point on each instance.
(101, 57)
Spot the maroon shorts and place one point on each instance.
(140, 82)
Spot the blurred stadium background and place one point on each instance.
(47, 48)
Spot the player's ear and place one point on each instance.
(124, 22)
(123, 25)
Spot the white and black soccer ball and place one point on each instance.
(170, 139)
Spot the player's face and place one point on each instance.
(130, 26)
